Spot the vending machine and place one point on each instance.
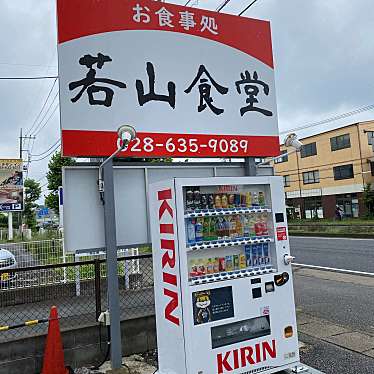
(222, 273)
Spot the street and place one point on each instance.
(335, 311)
(342, 253)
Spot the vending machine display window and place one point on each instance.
(238, 221)
(240, 331)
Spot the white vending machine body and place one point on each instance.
(223, 290)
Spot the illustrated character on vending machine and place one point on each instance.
(203, 307)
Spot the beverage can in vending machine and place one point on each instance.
(248, 255)
(189, 200)
(243, 200)
(232, 227)
(199, 229)
(191, 239)
(210, 201)
(204, 201)
(217, 201)
(224, 201)
(260, 255)
(231, 200)
(237, 200)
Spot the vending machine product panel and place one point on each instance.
(223, 281)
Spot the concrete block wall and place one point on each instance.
(81, 346)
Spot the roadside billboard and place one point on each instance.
(192, 82)
(11, 185)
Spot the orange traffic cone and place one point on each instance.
(53, 362)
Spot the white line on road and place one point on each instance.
(326, 238)
(345, 271)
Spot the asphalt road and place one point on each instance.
(339, 335)
(343, 253)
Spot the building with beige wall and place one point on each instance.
(331, 170)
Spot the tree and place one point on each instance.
(368, 198)
(54, 178)
(32, 194)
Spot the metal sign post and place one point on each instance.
(111, 266)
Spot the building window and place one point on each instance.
(370, 137)
(313, 207)
(308, 150)
(281, 158)
(311, 177)
(343, 172)
(286, 181)
(340, 142)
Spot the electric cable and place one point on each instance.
(41, 154)
(40, 125)
(48, 119)
(331, 119)
(43, 158)
(247, 7)
(41, 110)
(220, 7)
(28, 78)
(187, 2)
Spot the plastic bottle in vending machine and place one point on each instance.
(226, 227)
(212, 229)
(197, 198)
(264, 223)
(255, 199)
(231, 200)
(209, 268)
(191, 239)
(246, 228)
(206, 226)
(239, 226)
(261, 198)
(232, 224)
(248, 255)
(199, 229)
(252, 223)
(189, 200)
(248, 199)
(259, 226)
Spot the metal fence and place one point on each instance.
(76, 307)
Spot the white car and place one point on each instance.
(7, 261)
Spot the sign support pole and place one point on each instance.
(10, 226)
(111, 266)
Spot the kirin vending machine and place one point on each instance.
(222, 273)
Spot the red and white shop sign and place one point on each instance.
(192, 82)
(281, 233)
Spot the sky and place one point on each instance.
(323, 52)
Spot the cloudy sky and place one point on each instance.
(323, 51)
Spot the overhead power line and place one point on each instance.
(43, 153)
(331, 119)
(28, 78)
(222, 5)
(247, 7)
(43, 106)
(47, 121)
(43, 158)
